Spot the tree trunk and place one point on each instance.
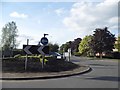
(94, 54)
(100, 55)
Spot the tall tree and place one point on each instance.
(75, 45)
(84, 47)
(65, 47)
(71, 44)
(62, 48)
(102, 41)
(9, 34)
(53, 47)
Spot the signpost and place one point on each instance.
(37, 49)
(44, 41)
(69, 51)
(26, 56)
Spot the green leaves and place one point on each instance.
(84, 45)
(117, 44)
(9, 34)
(53, 47)
(71, 44)
(102, 41)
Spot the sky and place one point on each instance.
(62, 20)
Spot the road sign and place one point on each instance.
(26, 49)
(43, 50)
(44, 41)
(35, 49)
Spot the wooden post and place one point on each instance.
(100, 55)
(69, 51)
(26, 56)
(2, 53)
(43, 61)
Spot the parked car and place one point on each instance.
(57, 55)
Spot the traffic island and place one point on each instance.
(14, 70)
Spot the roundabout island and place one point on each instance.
(13, 69)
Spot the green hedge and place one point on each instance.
(34, 57)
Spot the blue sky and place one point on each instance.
(63, 21)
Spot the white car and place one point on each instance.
(57, 55)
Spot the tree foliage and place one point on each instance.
(75, 45)
(84, 45)
(53, 47)
(61, 48)
(65, 47)
(117, 44)
(9, 34)
(102, 41)
(71, 44)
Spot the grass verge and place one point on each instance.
(17, 65)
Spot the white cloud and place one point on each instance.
(59, 11)
(85, 17)
(113, 20)
(112, 1)
(18, 15)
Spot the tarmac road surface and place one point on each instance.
(104, 74)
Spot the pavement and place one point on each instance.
(45, 75)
